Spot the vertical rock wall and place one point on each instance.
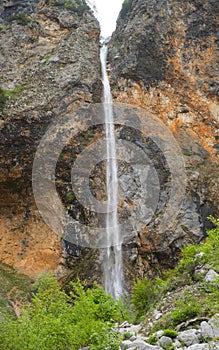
(49, 61)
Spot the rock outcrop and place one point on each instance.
(49, 66)
(204, 336)
(162, 57)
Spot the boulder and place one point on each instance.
(189, 337)
(165, 342)
(200, 347)
(212, 276)
(210, 329)
(139, 345)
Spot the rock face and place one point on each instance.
(49, 66)
(162, 57)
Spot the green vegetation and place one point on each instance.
(78, 6)
(2, 27)
(126, 6)
(13, 92)
(70, 197)
(55, 320)
(152, 339)
(14, 289)
(143, 296)
(127, 335)
(171, 333)
(21, 19)
(5, 94)
(191, 302)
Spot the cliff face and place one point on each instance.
(163, 57)
(49, 66)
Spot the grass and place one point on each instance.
(5, 94)
(17, 90)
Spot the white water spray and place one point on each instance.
(112, 255)
(106, 12)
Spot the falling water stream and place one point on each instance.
(106, 11)
(112, 255)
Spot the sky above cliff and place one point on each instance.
(107, 12)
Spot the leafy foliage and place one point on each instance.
(171, 333)
(201, 303)
(143, 296)
(54, 320)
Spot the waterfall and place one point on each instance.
(106, 13)
(112, 255)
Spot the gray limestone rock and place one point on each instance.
(210, 329)
(139, 345)
(201, 347)
(212, 276)
(189, 337)
(165, 342)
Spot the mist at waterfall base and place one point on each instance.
(106, 13)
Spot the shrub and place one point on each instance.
(152, 339)
(185, 310)
(127, 335)
(54, 320)
(171, 333)
(143, 295)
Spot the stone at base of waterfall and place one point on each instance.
(209, 346)
(212, 277)
(165, 342)
(157, 314)
(139, 345)
(129, 328)
(133, 338)
(210, 329)
(189, 337)
(177, 344)
(159, 334)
